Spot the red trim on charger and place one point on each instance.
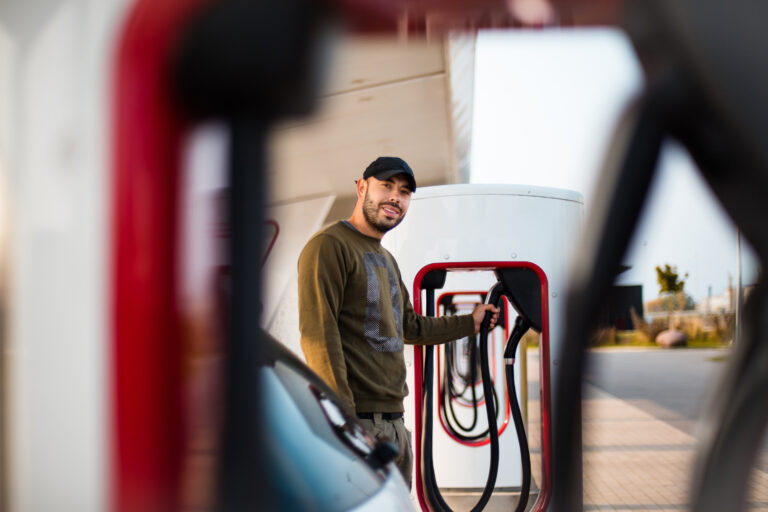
(270, 222)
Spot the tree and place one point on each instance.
(671, 291)
(669, 280)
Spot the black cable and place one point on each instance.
(427, 464)
(521, 326)
(458, 430)
(449, 393)
(435, 499)
(491, 414)
(467, 348)
(450, 373)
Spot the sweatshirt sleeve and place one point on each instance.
(425, 330)
(321, 287)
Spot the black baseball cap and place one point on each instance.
(387, 166)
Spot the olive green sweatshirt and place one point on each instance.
(355, 314)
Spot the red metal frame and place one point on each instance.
(270, 222)
(545, 490)
(504, 424)
(147, 427)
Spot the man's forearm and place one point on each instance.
(424, 330)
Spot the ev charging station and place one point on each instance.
(459, 245)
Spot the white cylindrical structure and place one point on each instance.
(487, 223)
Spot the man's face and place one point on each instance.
(386, 202)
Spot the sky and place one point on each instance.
(546, 104)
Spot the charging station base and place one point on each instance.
(501, 500)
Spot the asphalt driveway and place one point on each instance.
(672, 385)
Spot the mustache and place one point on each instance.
(392, 205)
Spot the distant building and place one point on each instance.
(719, 304)
(723, 303)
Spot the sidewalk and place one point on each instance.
(632, 460)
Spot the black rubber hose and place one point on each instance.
(435, 499)
(458, 430)
(429, 482)
(449, 394)
(491, 414)
(525, 456)
(521, 326)
(468, 377)
(452, 422)
(465, 347)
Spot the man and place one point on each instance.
(355, 312)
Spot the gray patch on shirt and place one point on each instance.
(372, 310)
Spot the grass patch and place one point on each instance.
(707, 342)
(639, 338)
(633, 339)
(643, 338)
(614, 338)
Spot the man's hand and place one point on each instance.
(479, 314)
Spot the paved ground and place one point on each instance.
(638, 451)
(640, 415)
(672, 385)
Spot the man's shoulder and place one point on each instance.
(333, 237)
(332, 233)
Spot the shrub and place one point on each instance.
(602, 337)
(657, 325)
(725, 327)
(637, 321)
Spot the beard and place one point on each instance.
(371, 214)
